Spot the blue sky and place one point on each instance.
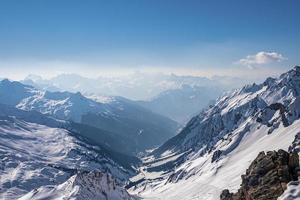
(193, 37)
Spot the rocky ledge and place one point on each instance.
(267, 177)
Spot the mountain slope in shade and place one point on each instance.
(82, 186)
(34, 155)
(142, 128)
(216, 146)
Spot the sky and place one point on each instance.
(253, 38)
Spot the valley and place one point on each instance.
(59, 141)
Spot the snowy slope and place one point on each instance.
(216, 147)
(199, 178)
(292, 192)
(34, 155)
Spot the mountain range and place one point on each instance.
(135, 86)
(173, 96)
(138, 127)
(64, 145)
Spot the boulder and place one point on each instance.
(267, 176)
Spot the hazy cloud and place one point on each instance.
(261, 58)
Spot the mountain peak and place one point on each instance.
(295, 72)
(297, 68)
(9, 83)
(6, 81)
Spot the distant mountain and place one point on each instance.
(39, 84)
(138, 126)
(182, 103)
(216, 146)
(136, 86)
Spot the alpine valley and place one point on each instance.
(64, 145)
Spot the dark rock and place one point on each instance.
(283, 110)
(295, 147)
(267, 176)
(226, 195)
(259, 120)
(216, 155)
(277, 106)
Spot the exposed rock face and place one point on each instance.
(267, 177)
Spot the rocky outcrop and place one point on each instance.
(267, 177)
(217, 154)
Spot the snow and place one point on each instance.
(292, 192)
(101, 98)
(33, 155)
(63, 105)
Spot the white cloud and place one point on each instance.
(261, 58)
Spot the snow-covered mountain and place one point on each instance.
(182, 103)
(216, 146)
(142, 128)
(36, 153)
(273, 102)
